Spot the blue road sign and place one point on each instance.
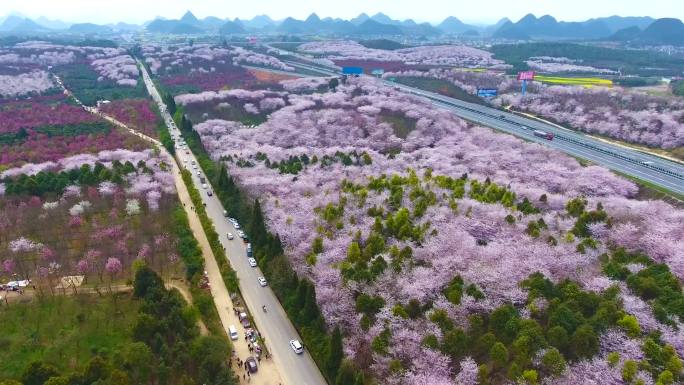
(352, 70)
(486, 92)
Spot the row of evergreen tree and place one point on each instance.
(297, 295)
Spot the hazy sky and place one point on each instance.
(100, 11)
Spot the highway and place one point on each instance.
(650, 168)
(274, 324)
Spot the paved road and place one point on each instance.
(274, 324)
(651, 168)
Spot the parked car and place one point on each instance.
(232, 331)
(252, 262)
(297, 346)
(262, 281)
(225, 213)
(244, 320)
(204, 185)
(251, 364)
(209, 193)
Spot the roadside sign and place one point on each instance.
(526, 75)
(486, 92)
(352, 70)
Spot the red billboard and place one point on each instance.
(526, 75)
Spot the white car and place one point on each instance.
(262, 281)
(199, 173)
(194, 166)
(204, 185)
(252, 262)
(230, 236)
(297, 346)
(236, 225)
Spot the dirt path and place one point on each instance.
(268, 373)
(185, 292)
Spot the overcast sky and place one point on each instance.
(485, 11)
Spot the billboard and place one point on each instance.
(486, 92)
(352, 70)
(526, 75)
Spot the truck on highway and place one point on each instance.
(543, 134)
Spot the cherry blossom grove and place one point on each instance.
(614, 112)
(34, 82)
(552, 67)
(47, 129)
(452, 55)
(105, 157)
(468, 236)
(101, 223)
(618, 113)
(201, 56)
(467, 80)
(112, 63)
(250, 57)
(121, 68)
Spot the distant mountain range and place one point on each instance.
(662, 31)
(20, 24)
(548, 28)
(17, 24)
(640, 30)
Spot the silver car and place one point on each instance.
(297, 346)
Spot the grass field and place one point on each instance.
(570, 81)
(401, 125)
(64, 331)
